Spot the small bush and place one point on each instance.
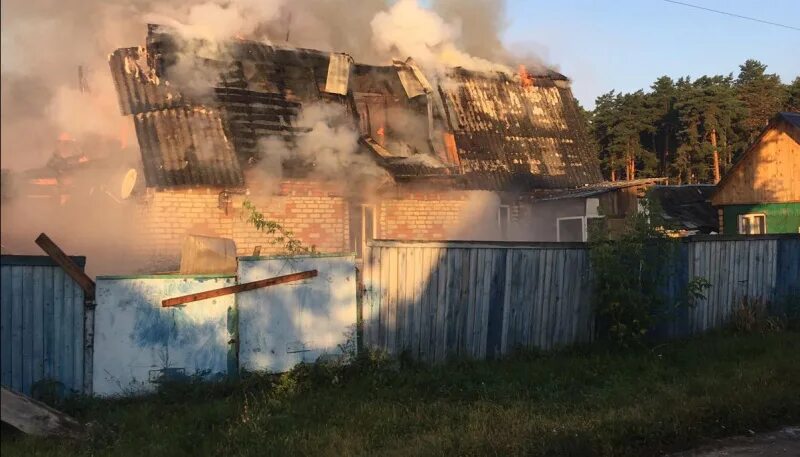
(630, 270)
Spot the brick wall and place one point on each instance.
(316, 217)
(315, 214)
(455, 215)
(419, 217)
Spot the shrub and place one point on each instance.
(630, 270)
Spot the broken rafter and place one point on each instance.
(177, 301)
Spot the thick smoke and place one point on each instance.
(329, 148)
(55, 80)
(410, 29)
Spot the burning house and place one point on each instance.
(340, 152)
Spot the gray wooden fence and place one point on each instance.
(43, 330)
(437, 300)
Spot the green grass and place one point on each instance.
(584, 401)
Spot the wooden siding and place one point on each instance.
(768, 172)
(436, 301)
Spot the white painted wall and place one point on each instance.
(283, 325)
(136, 339)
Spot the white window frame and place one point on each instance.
(750, 216)
(584, 226)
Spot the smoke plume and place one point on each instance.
(55, 80)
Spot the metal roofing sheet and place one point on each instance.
(186, 147)
(138, 90)
(792, 118)
(510, 134)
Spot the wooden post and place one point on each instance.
(176, 301)
(73, 270)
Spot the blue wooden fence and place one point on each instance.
(436, 300)
(42, 317)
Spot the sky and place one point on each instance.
(626, 44)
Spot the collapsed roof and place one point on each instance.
(479, 130)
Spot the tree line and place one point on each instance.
(690, 131)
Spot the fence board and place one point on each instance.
(42, 327)
(481, 300)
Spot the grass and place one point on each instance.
(582, 401)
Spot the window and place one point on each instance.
(503, 219)
(372, 115)
(570, 228)
(752, 224)
(577, 228)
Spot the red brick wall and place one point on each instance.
(419, 217)
(316, 215)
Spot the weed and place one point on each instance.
(753, 315)
(577, 401)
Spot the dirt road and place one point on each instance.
(782, 443)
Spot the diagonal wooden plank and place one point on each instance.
(182, 300)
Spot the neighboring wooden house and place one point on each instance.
(761, 192)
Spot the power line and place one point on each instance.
(734, 15)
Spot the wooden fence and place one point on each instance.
(44, 338)
(437, 300)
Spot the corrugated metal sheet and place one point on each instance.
(138, 90)
(480, 300)
(42, 327)
(410, 83)
(186, 147)
(510, 135)
(139, 343)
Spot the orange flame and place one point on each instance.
(64, 136)
(524, 77)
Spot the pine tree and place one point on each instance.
(689, 131)
(709, 112)
(761, 93)
(662, 103)
(793, 96)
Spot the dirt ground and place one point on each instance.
(782, 443)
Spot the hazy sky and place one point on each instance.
(626, 44)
